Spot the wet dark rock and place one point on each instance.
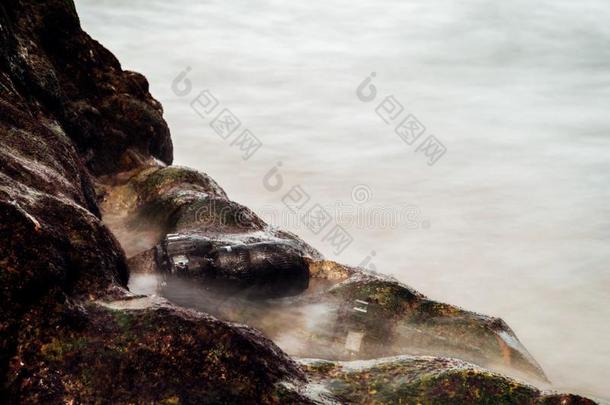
(69, 78)
(53, 243)
(213, 240)
(143, 350)
(256, 270)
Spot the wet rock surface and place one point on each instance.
(199, 233)
(52, 69)
(257, 270)
(140, 350)
(422, 380)
(81, 138)
(365, 317)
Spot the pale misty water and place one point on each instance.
(517, 91)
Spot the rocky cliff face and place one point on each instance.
(80, 137)
(69, 113)
(54, 69)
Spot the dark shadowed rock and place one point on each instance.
(52, 240)
(213, 240)
(108, 113)
(143, 350)
(258, 270)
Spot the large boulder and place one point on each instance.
(199, 233)
(395, 319)
(348, 313)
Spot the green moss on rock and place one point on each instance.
(423, 380)
(151, 184)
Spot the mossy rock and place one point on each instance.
(180, 199)
(153, 183)
(395, 319)
(390, 297)
(423, 380)
(142, 350)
